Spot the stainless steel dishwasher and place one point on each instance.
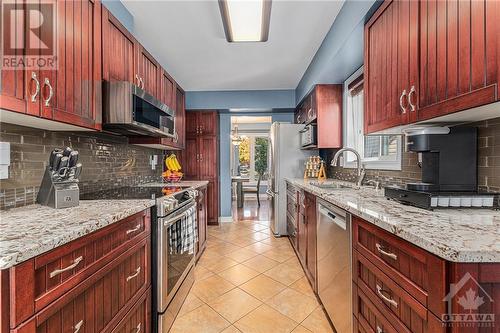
(334, 264)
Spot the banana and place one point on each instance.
(169, 163)
(176, 162)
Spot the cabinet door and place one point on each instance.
(213, 202)
(190, 158)
(191, 123)
(149, 71)
(390, 64)
(207, 122)
(311, 236)
(302, 230)
(118, 56)
(17, 86)
(207, 150)
(72, 93)
(167, 93)
(458, 55)
(180, 116)
(202, 219)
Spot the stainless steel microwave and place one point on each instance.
(309, 136)
(129, 110)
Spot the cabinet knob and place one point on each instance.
(37, 86)
(403, 95)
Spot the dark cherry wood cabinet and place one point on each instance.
(322, 107)
(301, 229)
(200, 157)
(427, 58)
(91, 283)
(311, 258)
(71, 92)
(202, 216)
(149, 72)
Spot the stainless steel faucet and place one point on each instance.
(361, 169)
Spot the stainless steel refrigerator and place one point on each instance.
(286, 160)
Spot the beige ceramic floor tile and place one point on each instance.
(243, 241)
(260, 263)
(234, 304)
(262, 287)
(257, 227)
(259, 247)
(231, 329)
(226, 248)
(202, 319)
(316, 322)
(220, 265)
(293, 304)
(302, 286)
(265, 319)
(258, 236)
(241, 255)
(279, 255)
(190, 303)
(211, 287)
(201, 273)
(285, 274)
(238, 274)
(300, 329)
(276, 241)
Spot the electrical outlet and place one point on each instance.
(4, 159)
(153, 161)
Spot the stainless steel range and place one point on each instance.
(174, 236)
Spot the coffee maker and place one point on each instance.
(448, 158)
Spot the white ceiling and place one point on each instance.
(187, 38)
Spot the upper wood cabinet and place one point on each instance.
(148, 71)
(119, 57)
(167, 90)
(459, 47)
(323, 107)
(428, 58)
(71, 91)
(201, 123)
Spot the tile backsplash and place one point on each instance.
(108, 161)
(488, 162)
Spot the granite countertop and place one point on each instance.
(28, 231)
(191, 183)
(457, 235)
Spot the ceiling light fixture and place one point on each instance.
(246, 20)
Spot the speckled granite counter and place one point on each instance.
(458, 235)
(191, 183)
(26, 232)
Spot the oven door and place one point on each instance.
(177, 237)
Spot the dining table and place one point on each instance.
(239, 180)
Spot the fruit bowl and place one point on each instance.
(173, 178)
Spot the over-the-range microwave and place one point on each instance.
(309, 136)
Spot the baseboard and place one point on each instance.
(225, 219)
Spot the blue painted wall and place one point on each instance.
(341, 52)
(119, 11)
(241, 99)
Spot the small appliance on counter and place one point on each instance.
(59, 188)
(448, 158)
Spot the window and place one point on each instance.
(252, 156)
(377, 151)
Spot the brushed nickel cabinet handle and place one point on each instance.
(403, 94)
(51, 91)
(78, 326)
(385, 298)
(309, 114)
(412, 106)
(138, 80)
(137, 272)
(129, 231)
(138, 328)
(176, 137)
(379, 329)
(385, 253)
(70, 267)
(37, 89)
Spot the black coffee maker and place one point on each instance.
(448, 158)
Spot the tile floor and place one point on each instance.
(249, 282)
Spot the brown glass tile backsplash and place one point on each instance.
(488, 162)
(108, 161)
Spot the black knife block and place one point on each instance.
(58, 194)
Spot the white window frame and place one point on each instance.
(368, 163)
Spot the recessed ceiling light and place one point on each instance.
(246, 20)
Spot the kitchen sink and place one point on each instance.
(330, 186)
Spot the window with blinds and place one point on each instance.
(377, 152)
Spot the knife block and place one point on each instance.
(58, 194)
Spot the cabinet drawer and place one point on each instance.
(39, 281)
(396, 304)
(417, 271)
(97, 304)
(138, 319)
(369, 318)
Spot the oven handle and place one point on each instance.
(185, 213)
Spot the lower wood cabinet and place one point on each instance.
(202, 217)
(98, 279)
(138, 318)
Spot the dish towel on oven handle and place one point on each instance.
(183, 234)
